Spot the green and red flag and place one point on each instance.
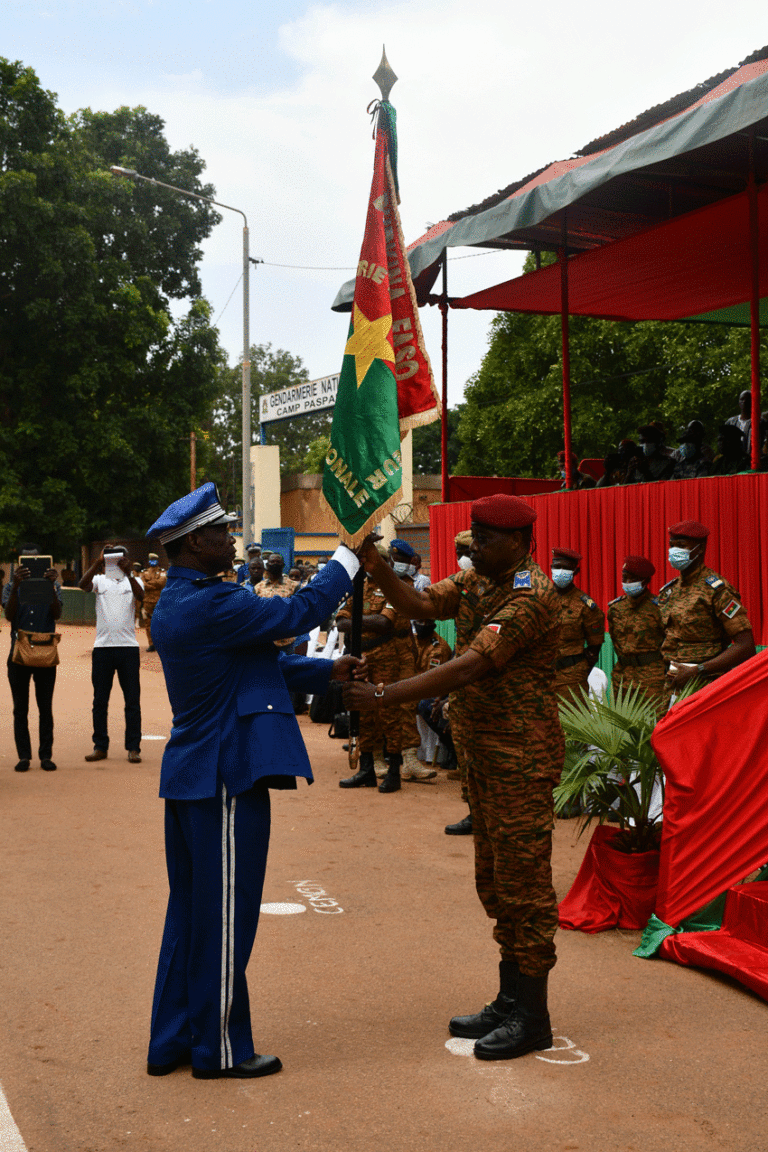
(386, 385)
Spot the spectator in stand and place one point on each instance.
(731, 456)
(627, 450)
(650, 463)
(743, 421)
(581, 479)
(614, 472)
(693, 462)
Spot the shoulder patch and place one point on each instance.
(522, 580)
(731, 608)
(714, 581)
(654, 599)
(666, 587)
(494, 628)
(588, 600)
(617, 600)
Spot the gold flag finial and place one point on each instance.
(384, 76)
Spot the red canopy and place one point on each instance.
(686, 269)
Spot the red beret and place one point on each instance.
(500, 511)
(567, 554)
(690, 528)
(639, 566)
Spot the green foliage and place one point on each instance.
(427, 445)
(622, 375)
(314, 461)
(99, 385)
(610, 765)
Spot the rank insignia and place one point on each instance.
(588, 601)
(522, 580)
(714, 581)
(731, 609)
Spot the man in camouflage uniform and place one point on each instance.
(507, 627)
(153, 577)
(706, 630)
(276, 584)
(582, 627)
(404, 564)
(634, 622)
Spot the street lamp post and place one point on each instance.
(131, 174)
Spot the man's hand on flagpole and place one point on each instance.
(367, 553)
(360, 696)
(348, 668)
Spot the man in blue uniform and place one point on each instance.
(234, 736)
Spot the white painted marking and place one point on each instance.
(318, 897)
(154, 737)
(283, 909)
(10, 1137)
(459, 1046)
(568, 1046)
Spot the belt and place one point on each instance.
(639, 659)
(569, 661)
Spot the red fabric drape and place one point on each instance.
(607, 524)
(688, 266)
(612, 889)
(713, 748)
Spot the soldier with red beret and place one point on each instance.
(634, 622)
(706, 630)
(502, 679)
(582, 629)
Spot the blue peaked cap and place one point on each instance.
(404, 547)
(192, 511)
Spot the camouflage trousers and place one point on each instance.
(650, 678)
(392, 728)
(512, 821)
(573, 679)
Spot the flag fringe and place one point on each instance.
(352, 540)
(416, 420)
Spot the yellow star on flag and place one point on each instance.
(368, 342)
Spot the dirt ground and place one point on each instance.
(353, 990)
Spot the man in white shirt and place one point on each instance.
(116, 648)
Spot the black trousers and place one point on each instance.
(105, 662)
(19, 677)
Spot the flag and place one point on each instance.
(386, 385)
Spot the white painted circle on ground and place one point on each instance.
(283, 909)
(459, 1046)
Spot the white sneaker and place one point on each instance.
(413, 769)
(379, 766)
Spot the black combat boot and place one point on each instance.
(391, 782)
(528, 1028)
(494, 1013)
(365, 777)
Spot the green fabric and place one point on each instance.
(447, 629)
(707, 919)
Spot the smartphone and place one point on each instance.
(38, 565)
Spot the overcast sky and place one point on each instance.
(274, 96)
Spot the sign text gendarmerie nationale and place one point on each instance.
(300, 400)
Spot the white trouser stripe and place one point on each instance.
(231, 941)
(223, 1000)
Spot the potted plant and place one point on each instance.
(612, 774)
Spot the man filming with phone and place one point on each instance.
(116, 648)
(36, 616)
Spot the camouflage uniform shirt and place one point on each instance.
(431, 653)
(282, 588)
(581, 623)
(701, 614)
(634, 623)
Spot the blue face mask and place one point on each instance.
(633, 589)
(153, 563)
(688, 450)
(562, 577)
(680, 558)
(649, 449)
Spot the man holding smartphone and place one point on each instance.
(116, 648)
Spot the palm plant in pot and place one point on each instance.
(612, 773)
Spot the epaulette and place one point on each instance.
(667, 585)
(616, 601)
(588, 600)
(714, 581)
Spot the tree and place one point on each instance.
(622, 375)
(99, 385)
(427, 445)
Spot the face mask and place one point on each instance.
(562, 577)
(563, 474)
(633, 589)
(423, 631)
(680, 558)
(649, 449)
(465, 563)
(153, 563)
(404, 569)
(688, 450)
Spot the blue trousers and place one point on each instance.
(216, 852)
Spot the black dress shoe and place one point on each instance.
(47, 765)
(248, 1070)
(463, 828)
(22, 766)
(171, 1066)
(365, 778)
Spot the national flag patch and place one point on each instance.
(494, 628)
(731, 609)
(522, 580)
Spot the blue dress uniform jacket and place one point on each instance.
(233, 719)
(234, 735)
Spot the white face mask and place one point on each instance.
(680, 558)
(465, 563)
(404, 569)
(562, 577)
(633, 589)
